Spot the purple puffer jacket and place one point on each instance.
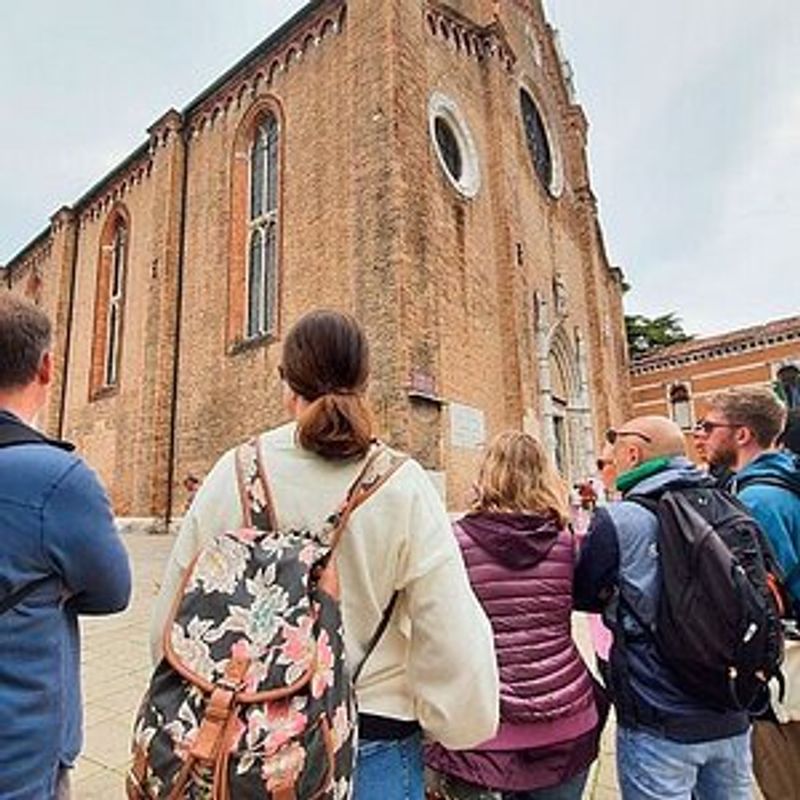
(520, 567)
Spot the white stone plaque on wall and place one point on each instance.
(467, 426)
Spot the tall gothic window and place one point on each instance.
(536, 138)
(109, 303)
(115, 297)
(262, 273)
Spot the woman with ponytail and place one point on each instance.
(436, 649)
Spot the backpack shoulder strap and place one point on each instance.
(258, 507)
(645, 501)
(18, 595)
(382, 462)
(766, 480)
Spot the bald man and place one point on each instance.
(669, 744)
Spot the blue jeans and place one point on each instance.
(390, 769)
(654, 768)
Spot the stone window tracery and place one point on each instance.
(263, 222)
(110, 303)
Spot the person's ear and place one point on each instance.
(44, 374)
(743, 436)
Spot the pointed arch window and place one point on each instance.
(262, 266)
(109, 304)
(115, 297)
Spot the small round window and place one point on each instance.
(455, 149)
(544, 159)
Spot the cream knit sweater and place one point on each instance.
(435, 662)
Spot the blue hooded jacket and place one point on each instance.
(620, 554)
(777, 508)
(56, 527)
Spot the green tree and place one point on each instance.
(648, 334)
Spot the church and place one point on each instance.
(421, 164)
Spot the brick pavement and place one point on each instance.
(116, 666)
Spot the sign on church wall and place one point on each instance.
(467, 426)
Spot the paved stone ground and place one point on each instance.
(116, 667)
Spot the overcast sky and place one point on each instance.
(694, 141)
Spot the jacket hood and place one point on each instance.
(779, 464)
(517, 541)
(678, 471)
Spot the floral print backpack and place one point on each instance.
(253, 699)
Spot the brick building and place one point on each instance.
(422, 164)
(677, 380)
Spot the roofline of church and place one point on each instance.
(754, 336)
(260, 49)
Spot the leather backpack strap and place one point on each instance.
(380, 465)
(258, 507)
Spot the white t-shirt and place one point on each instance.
(435, 662)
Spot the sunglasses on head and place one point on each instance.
(612, 435)
(706, 426)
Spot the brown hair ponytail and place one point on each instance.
(326, 361)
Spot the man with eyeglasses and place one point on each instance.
(740, 431)
(669, 743)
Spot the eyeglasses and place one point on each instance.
(612, 435)
(602, 463)
(706, 426)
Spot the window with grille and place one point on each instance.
(536, 138)
(262, 264)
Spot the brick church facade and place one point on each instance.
(420, 164)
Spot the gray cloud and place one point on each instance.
(694, 110)
(695, 150)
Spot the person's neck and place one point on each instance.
(22, 403)
(748, 454)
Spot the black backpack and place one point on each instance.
(717, 623)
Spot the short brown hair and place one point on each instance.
(25, 336)
(517, 475)
(326, 361)
(757, 409)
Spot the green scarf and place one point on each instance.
(644, 470)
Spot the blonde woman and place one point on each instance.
(519, 553)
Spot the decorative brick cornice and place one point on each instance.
(163, 129)
(712, 347)
(257, 70)
(114, 186)
(31, 258)
(483, 43)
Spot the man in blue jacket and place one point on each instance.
(739, 431)
(60, 556)
(670, 744)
